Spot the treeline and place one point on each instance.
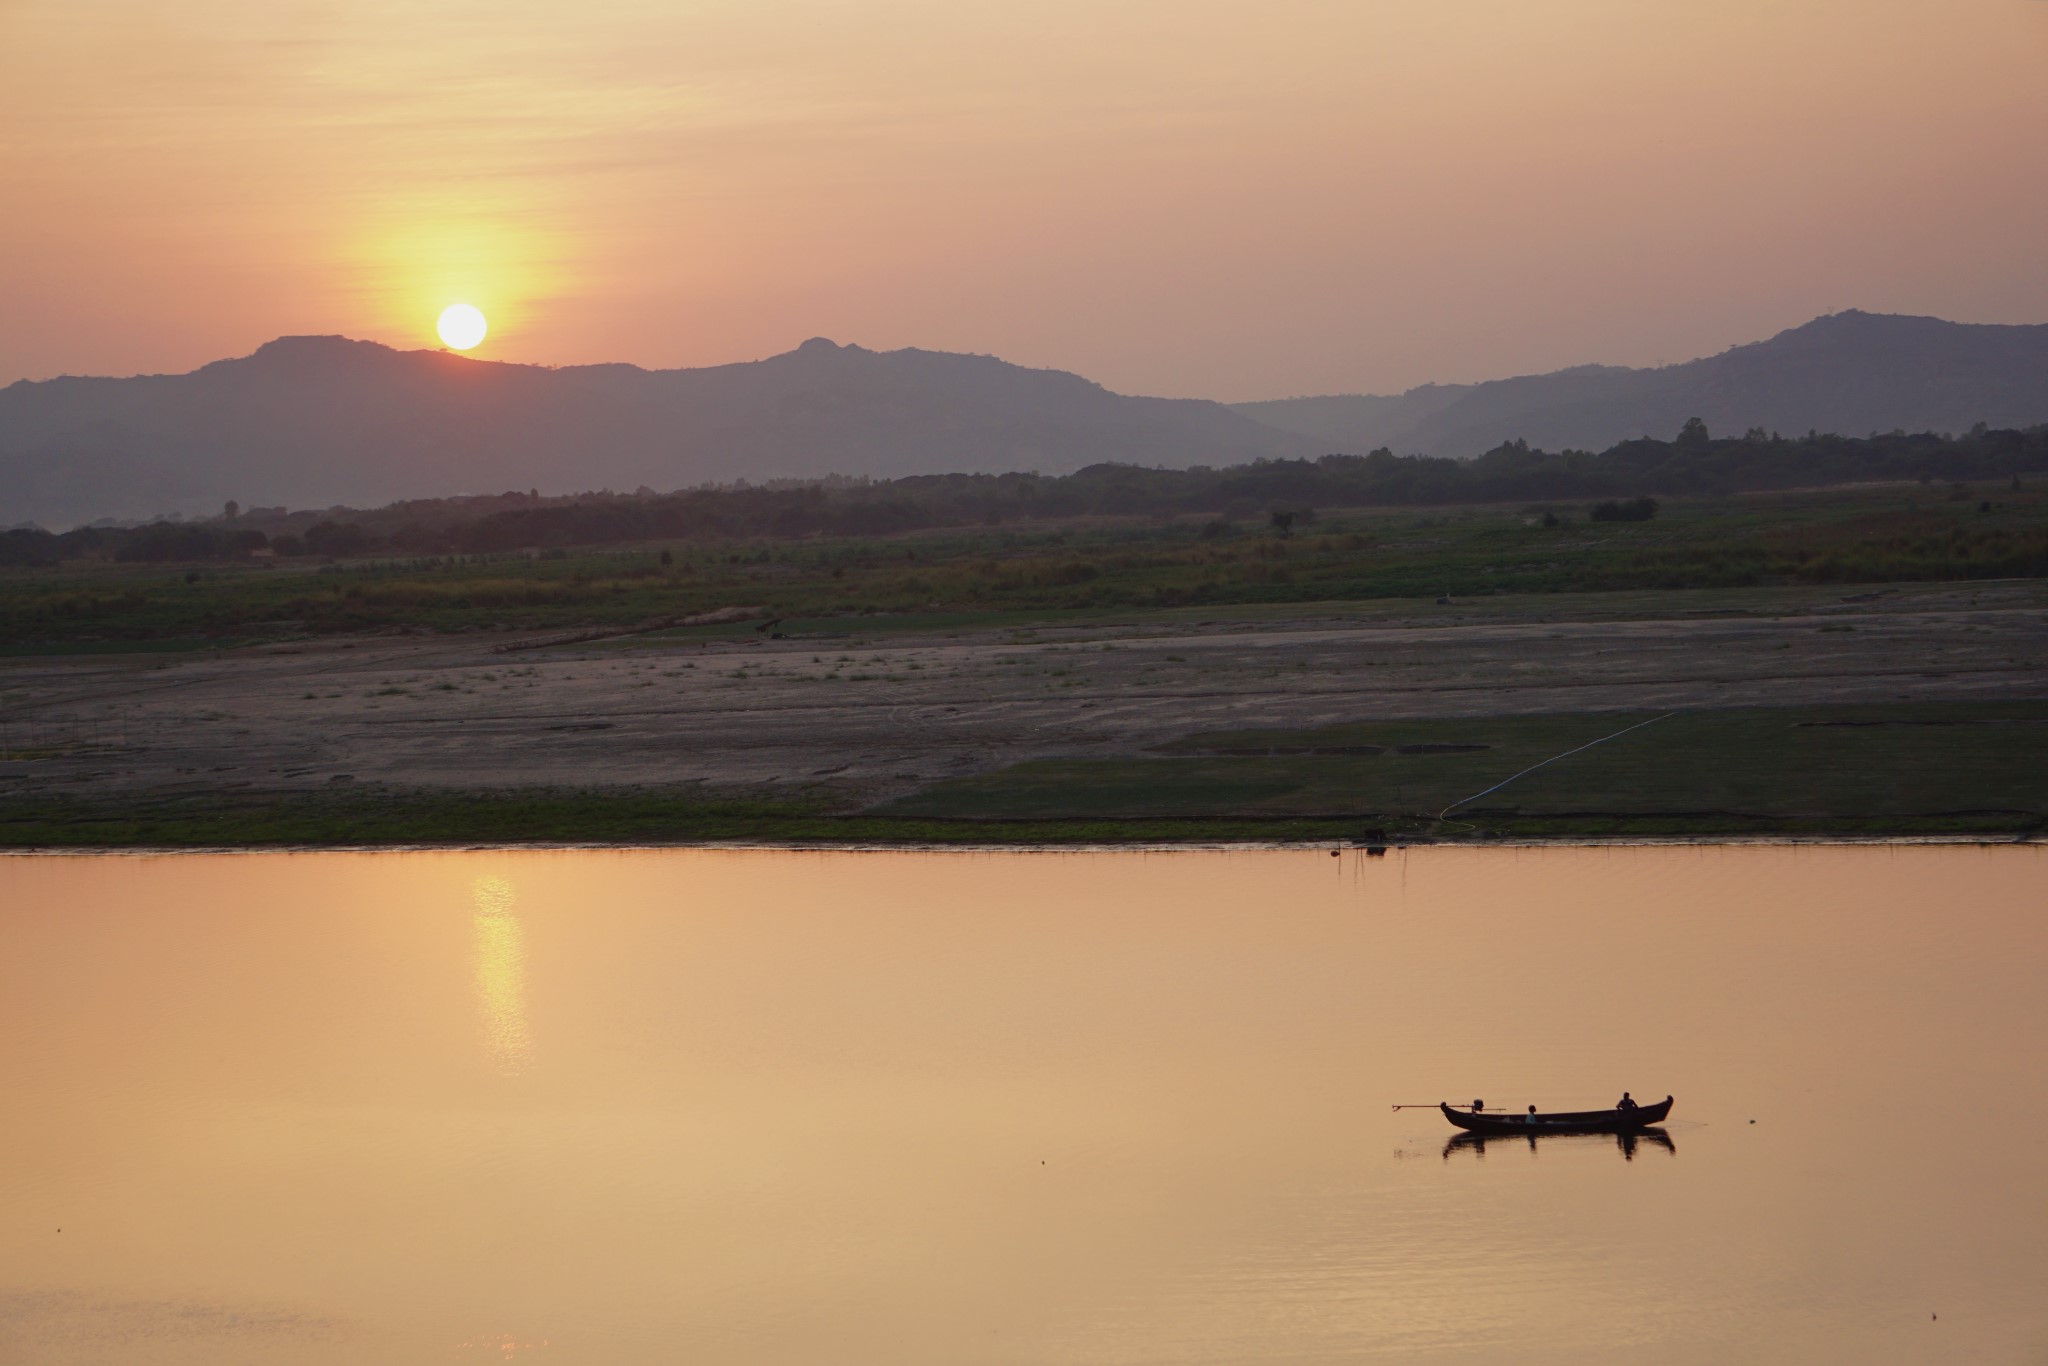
(1695, 462)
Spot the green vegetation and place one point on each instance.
(116, 647)
(607, 816)
(1904, 768)
(1000, 575)
(1283, 494)
(236, 818)
(1963, 768)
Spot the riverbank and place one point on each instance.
(828, 818)
(1918, 711)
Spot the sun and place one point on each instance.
(461, 326)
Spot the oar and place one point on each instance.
(1434, 1104)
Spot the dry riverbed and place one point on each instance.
(874, 713)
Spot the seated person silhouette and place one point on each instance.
(1477, 1106)
(1626, 1102)
(1532, 1115)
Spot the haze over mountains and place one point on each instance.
(1850, 373)
(318, 421)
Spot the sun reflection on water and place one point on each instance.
(501, 976)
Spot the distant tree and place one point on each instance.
(1693, 436)
(232, 510)
(172, 541)
(1634, 510)
(28, 545)
(337, 538)
(1283, 524)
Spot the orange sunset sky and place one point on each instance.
(1235, 200)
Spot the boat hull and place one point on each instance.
(1566, 1122)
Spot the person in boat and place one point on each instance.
(1477, 1106)
(1532, 1115)
(1626, 1103)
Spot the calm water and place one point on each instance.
(834, 1108)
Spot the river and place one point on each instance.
(821, 1108)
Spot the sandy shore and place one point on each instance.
(882, 714)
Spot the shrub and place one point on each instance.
(1634, 510)
(337, 538)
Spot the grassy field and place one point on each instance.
(1926, 768)
(1841, 536)
(362, 818)
(53, 649)
(1908, 769)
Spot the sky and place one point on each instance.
(1213, 198)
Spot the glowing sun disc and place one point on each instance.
(461, 326)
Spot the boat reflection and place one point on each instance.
(1627, 1142)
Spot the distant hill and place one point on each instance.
(317, 421)
(1850, 373)
(313, 422)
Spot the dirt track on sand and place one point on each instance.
(885, 714)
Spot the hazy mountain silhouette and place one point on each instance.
(312, 422)
(1851, 373)
(316, 421)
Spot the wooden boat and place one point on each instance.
(1504, 1122)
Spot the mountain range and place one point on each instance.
(1849, 373)
(319, 421)
(313, 422)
